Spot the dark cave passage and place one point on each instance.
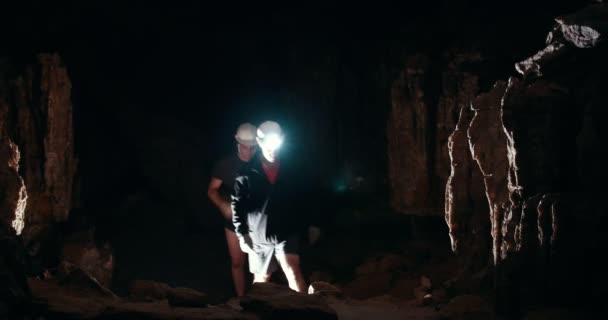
(450, 154)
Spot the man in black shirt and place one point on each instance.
(267, 214)
(220, 187)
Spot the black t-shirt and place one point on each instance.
(280, 210)
(226, 170)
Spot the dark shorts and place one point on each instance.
(264, 261)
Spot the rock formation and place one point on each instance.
(36, 114)
(426, 99)
(37, 166)
(525, 139)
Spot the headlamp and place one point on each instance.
(272, 141)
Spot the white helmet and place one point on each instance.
(270, 135)
(245, 134)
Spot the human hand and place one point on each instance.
(246, 244)
(314, 233)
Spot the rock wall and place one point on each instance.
(13, 195)
(426, 99)
(36, 113)
(36, 134)
(14, 291)
(534, 140)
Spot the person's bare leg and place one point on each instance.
(290, 263)
(237, 259)
(260, 277)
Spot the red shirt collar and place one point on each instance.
(271, 171)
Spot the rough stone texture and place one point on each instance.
(535, 141)
(272, 301)
(44, 112)
(488, 144)
(147, 290)
(36, 115)
(458, 87)
(14, 291)
(81, 250)
(74, 278)
(426, 100)
(533, 116)
(587, 27)
(513, 138)
(535, 64)
(13, 195)
(186, 297)
(465, 202)
(39, 120)
(504, 117)
(59, 302)
(582, 29)
(408, 166)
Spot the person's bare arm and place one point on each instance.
(213, 192)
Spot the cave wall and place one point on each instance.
(535, 140)
(37, 169)
(426, 99)
(36, 115)
(14, 292)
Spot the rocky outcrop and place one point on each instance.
(324, 288)
(485, 132)
(13, 195)
(14, 291)
(271, 301)
(79, 297)
(75, 279)
(37, 164)
(466, 208)
(426, 99)
(81, 250)
(583, 29)
(44, 113)
(524, 138)
(407, 127)
(59, 301)
(36, 113)
(146, 290)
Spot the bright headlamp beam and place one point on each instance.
(272, 141)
